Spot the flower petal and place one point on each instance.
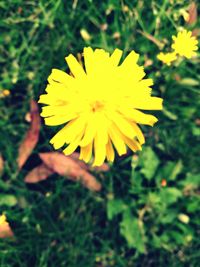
(116, 56)
(110, 154)
(57, 120)
(60, 77)
(132, 144)
(116, 138)
(123, 124)
(99, 150)
(86, 152)
(152, 103)
(88, 59)
(139, 133)
(75, 67)
(90, 131)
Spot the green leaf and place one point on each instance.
(170, 195)
(156, 241)
(192, 180)
(7, 200)
(177, 237)
(176, 170)
(171, 170)
(114, 207)
(196, 131)
(136, 182)
(149, 162)
(4, 185)
(154, 198)
(132, 230)
(168, 217)
(193, 206)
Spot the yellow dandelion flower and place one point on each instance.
(3, 220)
(185, 44)
(99, 105)
(167, 58)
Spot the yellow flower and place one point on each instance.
(3, 220)
(99, 104)
(185, 44)
(167, 58)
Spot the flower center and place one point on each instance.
(97, 106)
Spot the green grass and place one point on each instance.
(59, 223)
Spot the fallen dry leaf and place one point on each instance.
(83, 165)
(67, 166)
(5, 230)
(39, 173)
(104, 167)
(196, 32)
(192, 19)
(1, 163)
(32, 136)
(197, 121)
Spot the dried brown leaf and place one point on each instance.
(192, 19)
(39, 173)
(5, 230)
(67, 166)
(104, 167)
(1, 163)
(83, 165)
(196, 32)
(31, 137)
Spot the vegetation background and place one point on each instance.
(147, 213)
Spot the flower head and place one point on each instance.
(99, 105)
(185, 44)
(167, 58)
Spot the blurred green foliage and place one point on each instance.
(148, 211)
(164, 207)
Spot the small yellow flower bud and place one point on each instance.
(125, 8)
(184, 218)
(116, 35)
(6, 92)
(98, 259)
(104, 27)
(85, 35)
